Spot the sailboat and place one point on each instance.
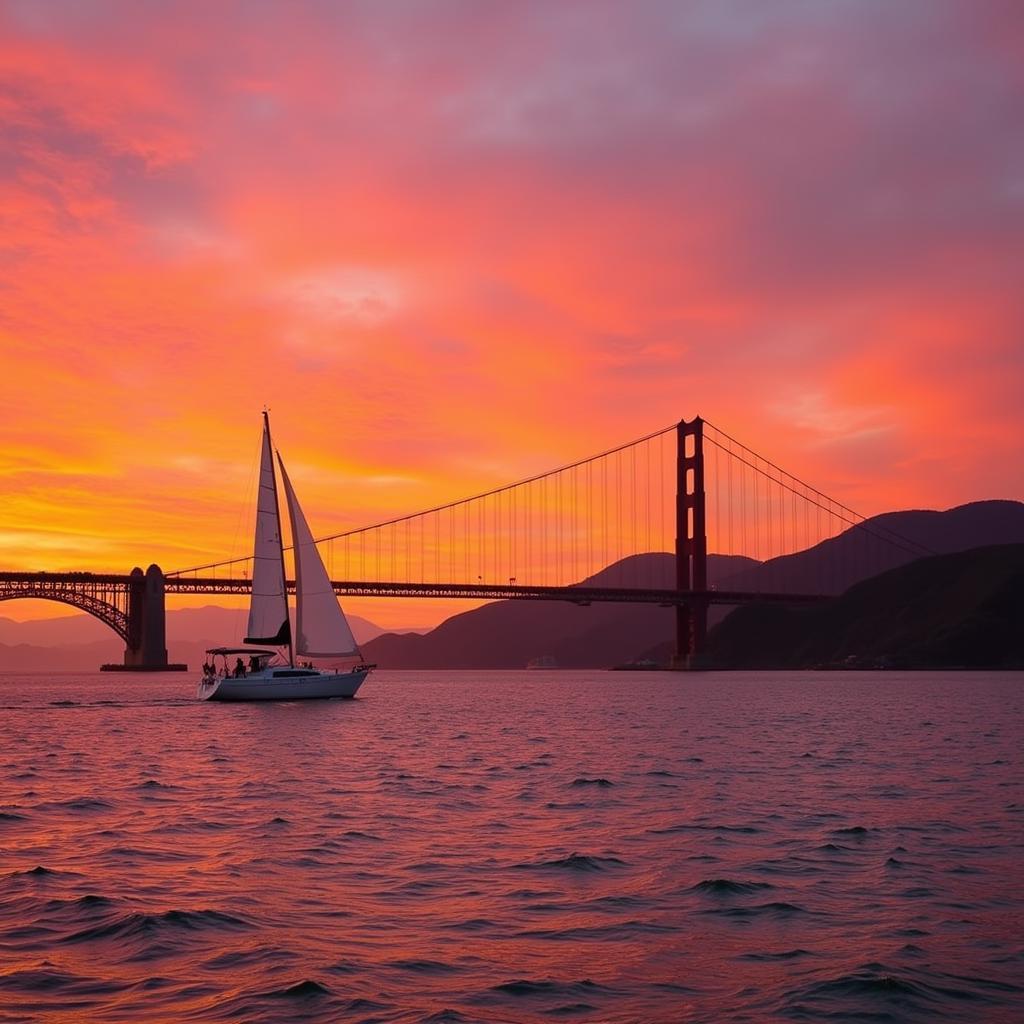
(321, 629)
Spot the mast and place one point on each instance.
(268, 607)
(280, 539)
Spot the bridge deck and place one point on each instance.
(465, 591)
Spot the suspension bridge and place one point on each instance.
(632, 524)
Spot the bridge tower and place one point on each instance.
(691, 545)
(147, 640)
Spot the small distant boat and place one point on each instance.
(544, 661)
(640, 665)
(321, 629)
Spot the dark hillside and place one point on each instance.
(964, 609)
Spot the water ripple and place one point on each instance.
(514, 848)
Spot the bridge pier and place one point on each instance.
(147, 638)
(691, 545)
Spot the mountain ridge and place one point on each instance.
(961, 609)
(82, 642)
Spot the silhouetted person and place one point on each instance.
(239, 669)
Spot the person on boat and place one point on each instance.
(239, 669)
(253, 663)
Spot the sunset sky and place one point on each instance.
(454, 244)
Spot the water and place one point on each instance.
(515, 847)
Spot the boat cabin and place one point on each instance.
(251, 660)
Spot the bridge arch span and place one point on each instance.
(132, 606)
(110, 607)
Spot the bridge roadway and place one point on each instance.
(499, 592)
(53, 583)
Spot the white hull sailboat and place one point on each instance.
(321, 629)
(283, 684)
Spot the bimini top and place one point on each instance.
(253, 651)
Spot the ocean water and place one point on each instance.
(518, 847)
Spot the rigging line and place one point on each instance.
(809, 487)
(245, 509)
(896, 540)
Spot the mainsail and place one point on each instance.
(321, 628)
(268, 609)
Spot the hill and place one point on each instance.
(80, 642)
(508, 634)
(964, 609)
(857, 554)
